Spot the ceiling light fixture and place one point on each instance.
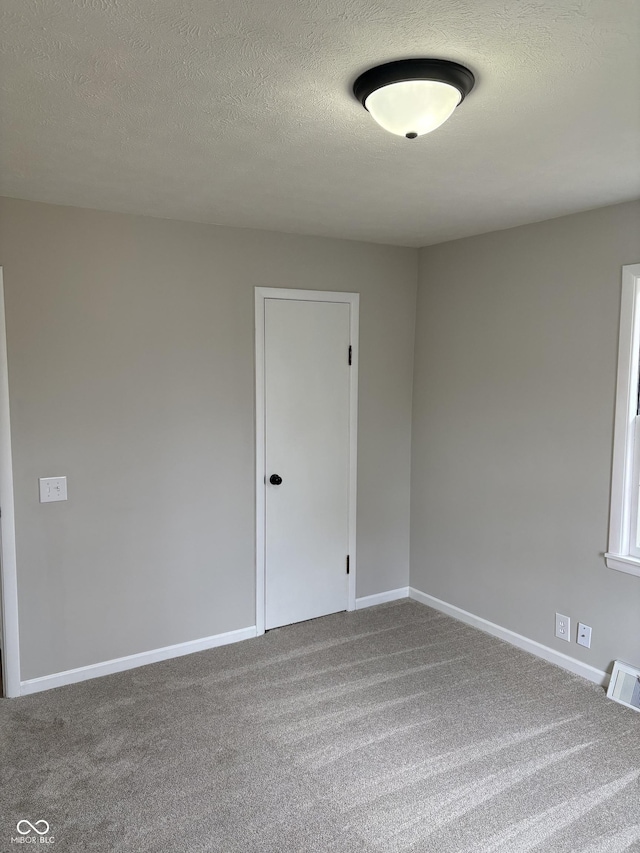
(411, 97)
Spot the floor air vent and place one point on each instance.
(624, 686)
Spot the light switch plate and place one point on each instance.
(53, 489)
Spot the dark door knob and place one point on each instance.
(275, 479)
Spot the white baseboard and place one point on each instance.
(108, 667)
(83, 673)
(532, 646)
(382, 597)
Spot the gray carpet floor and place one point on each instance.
(390, 729)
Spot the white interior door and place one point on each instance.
(307, 445)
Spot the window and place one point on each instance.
(624, 521)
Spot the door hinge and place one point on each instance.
(350, 354)
(347, 564)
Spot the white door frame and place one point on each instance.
(353, 300)
(8, 570)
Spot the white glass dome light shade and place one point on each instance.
(411, 97)
(413, 107)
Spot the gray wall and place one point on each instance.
(131, 371)
(514, 387)
(131, 365)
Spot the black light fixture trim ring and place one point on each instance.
(402, 70)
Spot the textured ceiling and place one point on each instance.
(240, 112)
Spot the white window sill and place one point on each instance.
(623, 563)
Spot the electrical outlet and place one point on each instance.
(584, 635)
(563, 627)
